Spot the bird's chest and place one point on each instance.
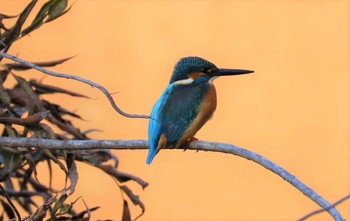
(199, 97)
(208, 104)
(201, 114)
(196, 101)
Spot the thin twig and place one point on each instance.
(25, 193)
(195, 145)
(10, 202)
(27, 121)
(77, 78)
(87, 210)
(325, 209)
(3, 44)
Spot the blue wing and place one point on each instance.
(172, 114)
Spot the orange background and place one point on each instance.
(294, 109)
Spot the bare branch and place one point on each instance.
(32, 119)
(77, 78)
(324, 209)
(195, 145)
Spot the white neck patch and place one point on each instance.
(184, 81)
(212, 79)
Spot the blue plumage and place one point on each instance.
(172, 114)
(186, 104)
(190, 65)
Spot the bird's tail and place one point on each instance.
(151, 154)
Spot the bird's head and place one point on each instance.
(190, 69)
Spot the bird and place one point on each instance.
(186, 104)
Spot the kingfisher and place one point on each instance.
(186, 104)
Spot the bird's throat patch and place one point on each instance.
(184, 81)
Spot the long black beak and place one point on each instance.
(227, 72)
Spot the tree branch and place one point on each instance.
(77, 78)
(324, 209)
(195, 145)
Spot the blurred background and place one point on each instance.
(293, 110)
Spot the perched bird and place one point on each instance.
(187, 103)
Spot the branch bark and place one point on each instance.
(324, 209)
(77, 78)
(195, 145)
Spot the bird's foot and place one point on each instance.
(192, 139)
(189, 141)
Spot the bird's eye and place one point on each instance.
(204, 70)
(207, 70)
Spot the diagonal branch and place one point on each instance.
(77, 78)
(324, 209)
(195, 145)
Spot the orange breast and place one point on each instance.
(206, 110)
